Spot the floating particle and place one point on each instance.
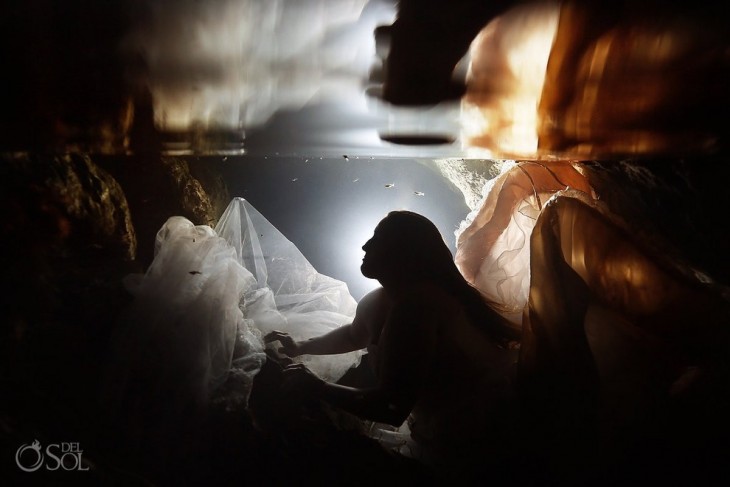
(703, 278)
(390, 185)
(194, 272)
(419, 193)
(306, 160)
(294, 180)
(225, 159)
(345, 157)
(356, 180)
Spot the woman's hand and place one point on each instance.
(289, 347)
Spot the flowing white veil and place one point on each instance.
(200, 311)
(289, 294)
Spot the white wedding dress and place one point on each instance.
(201, 310)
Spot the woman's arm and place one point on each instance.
(339, 340)
(407, 345)
(347, 338)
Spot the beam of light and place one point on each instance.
(505, 80)
(233, 63)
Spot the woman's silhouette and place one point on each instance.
(441, 355)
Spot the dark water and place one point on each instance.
(329, 207)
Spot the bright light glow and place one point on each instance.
(505, 80)
(352, 253)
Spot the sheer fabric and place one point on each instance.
(613, 328)
(201, 309)
(615, 336)
(288, 294)
(493, 249)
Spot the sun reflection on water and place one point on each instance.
(505, 81)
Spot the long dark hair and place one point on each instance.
(422, 254)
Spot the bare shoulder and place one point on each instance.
(371, 312)
(373, 298)
(373, 305)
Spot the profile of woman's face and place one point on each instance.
(398, 247)
(381, 251)
(374, 262)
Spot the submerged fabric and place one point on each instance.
(610, 325)
(201, 309)
(602, 313)
(289, 294)
(493, 250)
